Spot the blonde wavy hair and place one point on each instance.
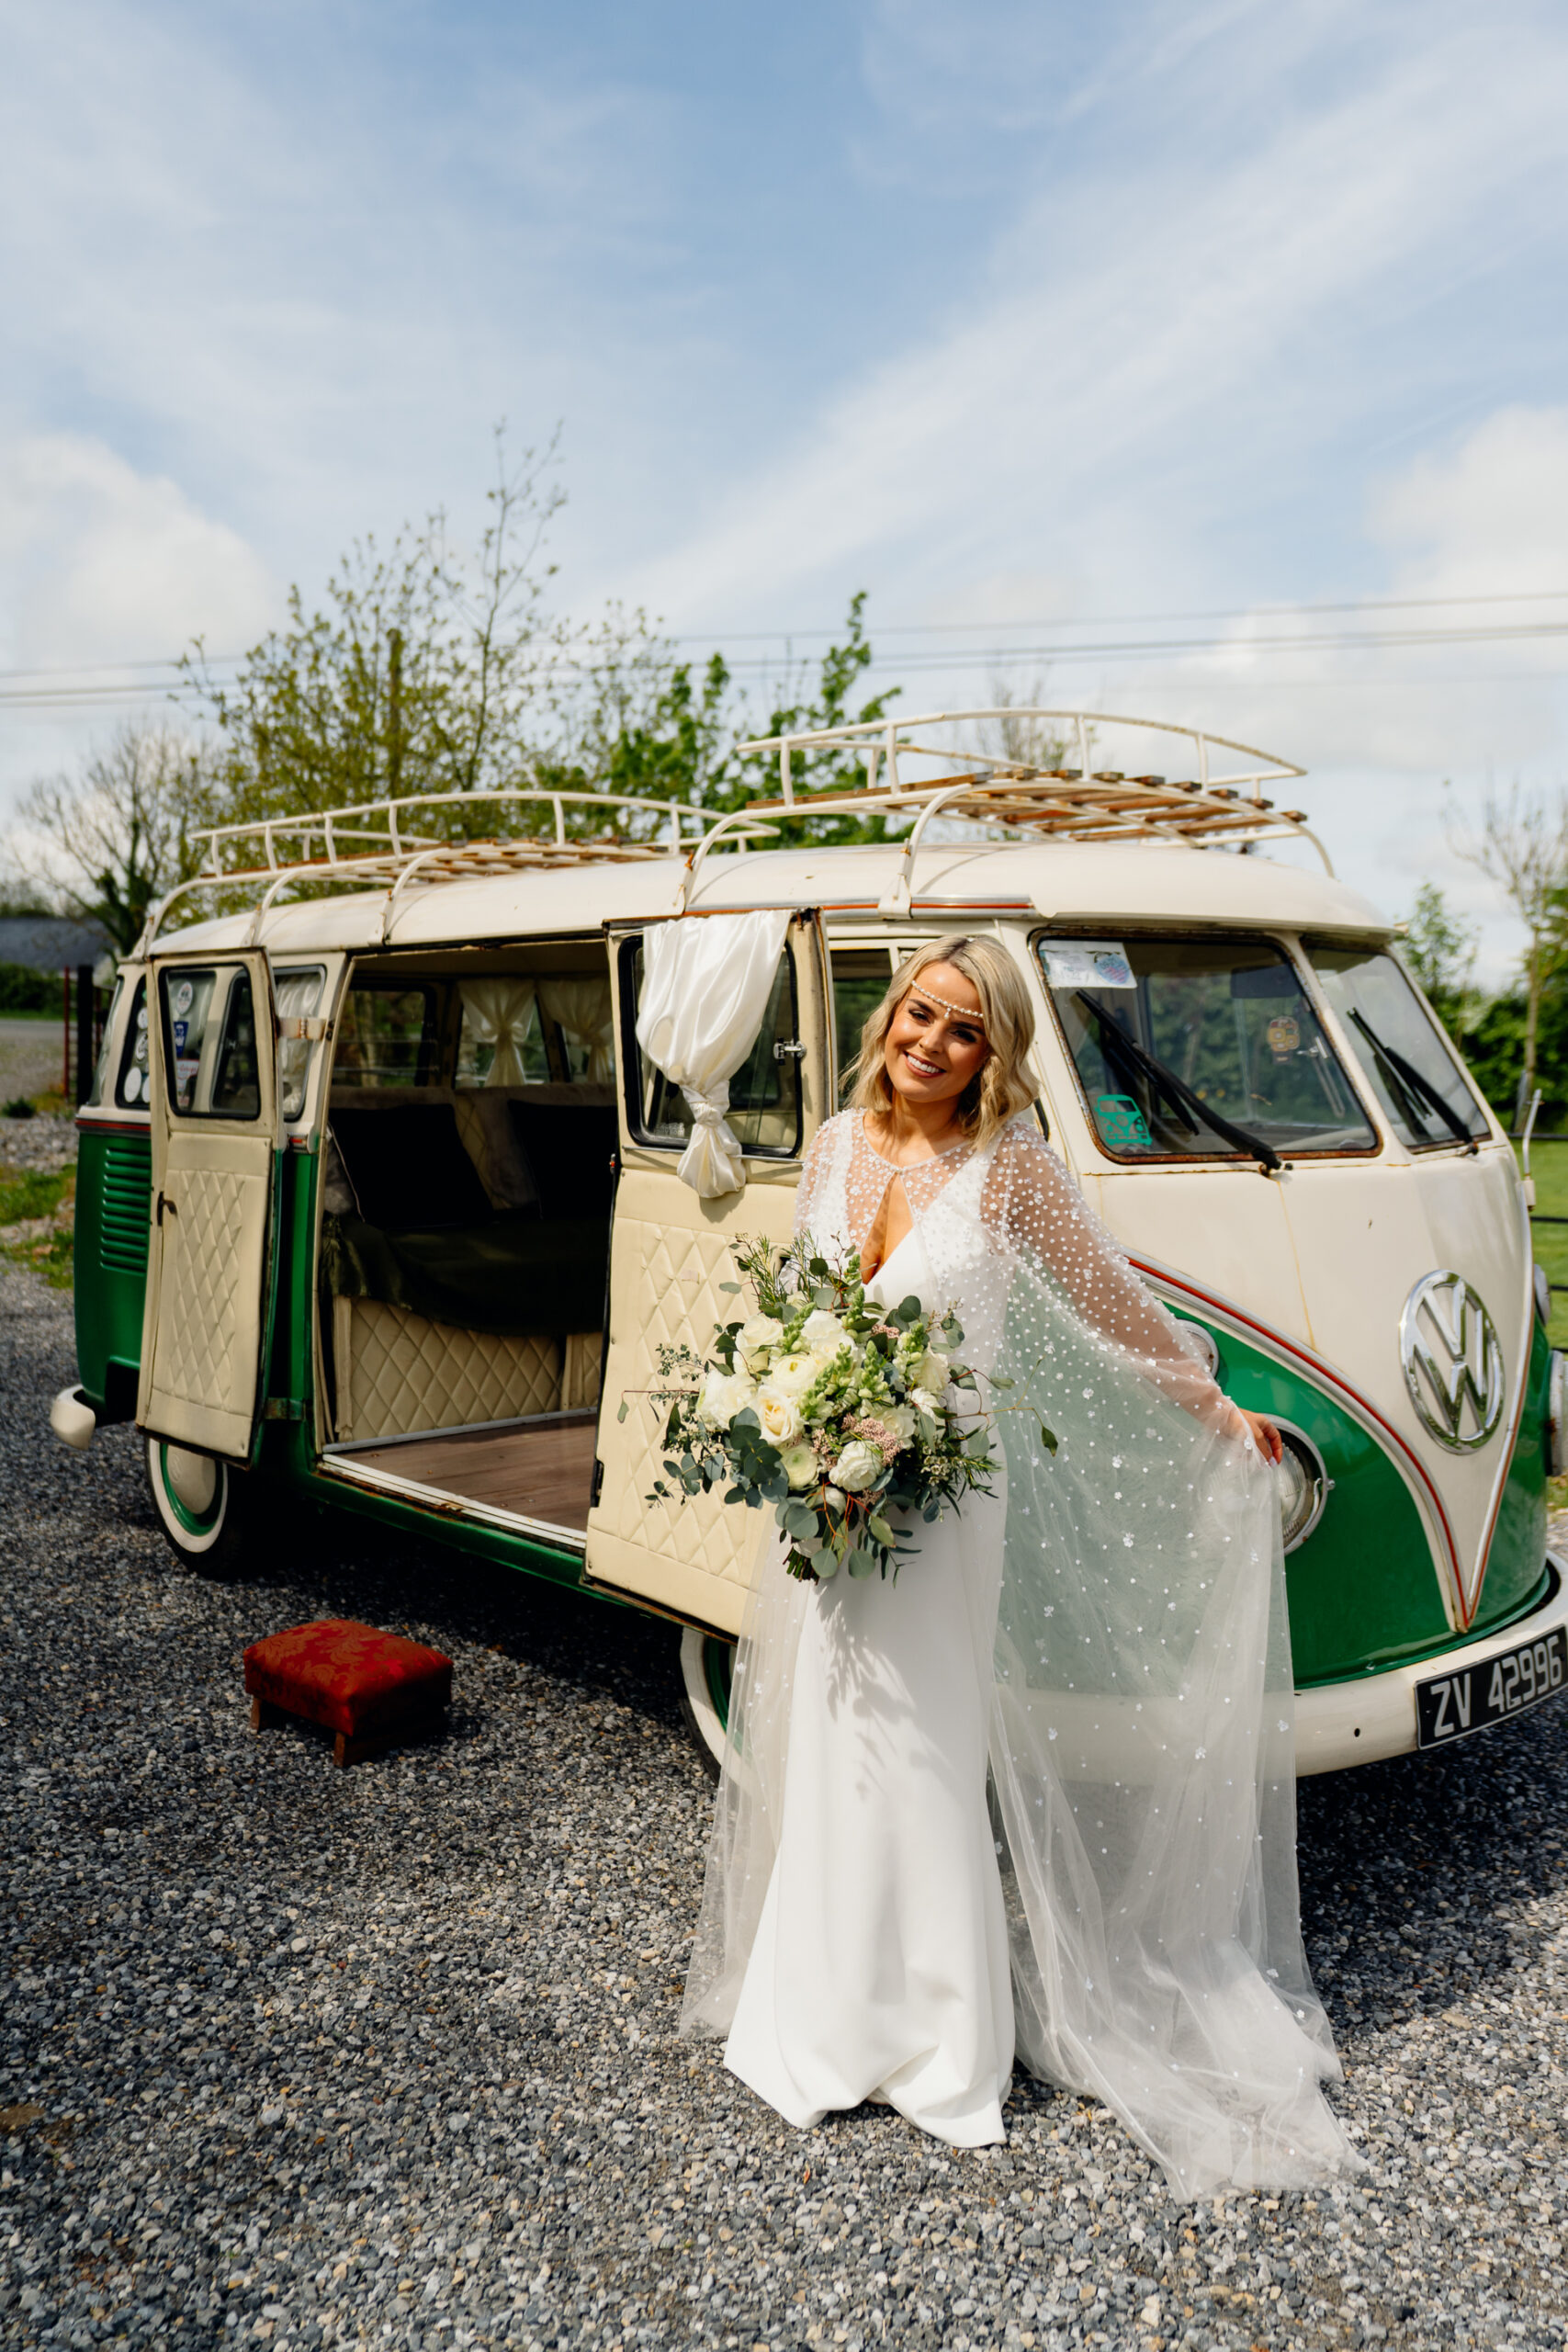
(1004, 1085)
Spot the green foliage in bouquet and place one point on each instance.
(831, 1409)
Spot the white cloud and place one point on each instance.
(102, 563)
(1489, 517)
(1151, 343)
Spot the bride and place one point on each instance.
(1101, 1644)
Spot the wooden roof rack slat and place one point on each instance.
(384, 844)
(1079, 803)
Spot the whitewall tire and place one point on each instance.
(707, 1664)
(200, 1505)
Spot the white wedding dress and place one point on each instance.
(1105, 1636)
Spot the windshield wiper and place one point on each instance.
(1160, 1075)
(1412, 1084)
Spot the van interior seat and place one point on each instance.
(468, 1280)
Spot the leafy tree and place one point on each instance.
(428, 669)
(109, 843)
(681, 743)
(1440, 947)
(1522, 846)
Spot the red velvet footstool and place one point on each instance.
(371, 1689)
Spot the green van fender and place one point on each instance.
(1377, 1581)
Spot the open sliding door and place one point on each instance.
(212, 1262)
(668, 1253)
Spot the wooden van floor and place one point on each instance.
(543, 1472)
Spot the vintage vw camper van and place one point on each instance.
(379, 1203)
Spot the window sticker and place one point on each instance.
(1122, 1127)
(183, 995)
(1284, 1035)
(1086, 964)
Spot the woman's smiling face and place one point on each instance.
(936, 1042)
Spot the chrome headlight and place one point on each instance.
(1304, 1484)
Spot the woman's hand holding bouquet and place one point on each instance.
(832, 1408)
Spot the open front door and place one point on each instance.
(668, 1253)
(211, 1267)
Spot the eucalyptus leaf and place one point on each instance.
(1048, 1439)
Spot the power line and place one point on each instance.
(1136, 620)
(21, 696)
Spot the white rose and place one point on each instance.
(834, 1497)
(758, 1337)
(794, 1374)
(780, 1415)
(822, 1333)
(859, 1466)
(900, 1419)
(924, 1402)
(931, 1372)
(725, 1394)
(800, 1465)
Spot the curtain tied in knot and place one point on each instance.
(706, 983)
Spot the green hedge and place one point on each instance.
(24, 991)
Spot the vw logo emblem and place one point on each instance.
(1453, 1361)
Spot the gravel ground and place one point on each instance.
(388, 2056)
(43, 1141)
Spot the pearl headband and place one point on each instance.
(962, 1012)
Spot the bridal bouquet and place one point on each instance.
(828, 1407)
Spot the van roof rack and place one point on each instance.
(1079, 803)
(392, 843)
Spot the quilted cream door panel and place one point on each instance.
(202, 1380)
(671, 1253)
(213, 1089)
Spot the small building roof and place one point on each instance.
(48, 943)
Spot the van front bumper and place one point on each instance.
(1343, 1724)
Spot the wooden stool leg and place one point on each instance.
(264, 1715)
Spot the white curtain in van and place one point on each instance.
(499, 1012)
(579, 1003)
(706, 981)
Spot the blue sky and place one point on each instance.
(1004, 313)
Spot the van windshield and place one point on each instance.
(1165, 1032)
(1426, 1100)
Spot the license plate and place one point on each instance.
(1452, 1704)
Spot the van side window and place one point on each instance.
(101, 1067)
(387, 1038)
(859, 982)
(236, 1084)
(130, 1087)
(208, 1020)
(764, 1094)
(295, 992)
(184, 999)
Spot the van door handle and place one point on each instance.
(789, 1049)
(164, 1203)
